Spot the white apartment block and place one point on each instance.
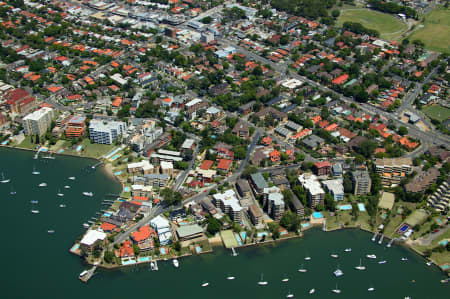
(38, 122)
(106, 132)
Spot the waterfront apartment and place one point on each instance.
(393, 170)
(316, 195)
(335, 187)
(38, 122)
(162, 227)
(229, 204)
(106, 132)
(361, 182)
(143, 167)
(273, 202)
(440, 199)
(75, 126)
(255, 214)
(92, 239)
(258, 183)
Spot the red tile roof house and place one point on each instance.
(126, 250)
(341, 79)
(207, 164)
(107, 227)
(224, 164)
(322, 168)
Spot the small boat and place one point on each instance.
(34, 201)
(66, 187)
(285, 279)
(62, 205)
(205, 284)
(334, 255)
(3, 180)
(72, 178)
(12, 192)
(290, 295)
(83, 273)
(371, 289)
(336, 290)
(445, 280)
(429, 263)
(262, 282)
(59, 193)
(308, 258)
(42, 185)
(85, 225)
(231, 278)
(35, 211)
(371, 256)
(90, 194)
(348, 250)
(176, 264)
(301, 269)
(51, 231)
(382, 262)
(153, 266)
(338, 273)
(312, 291)
(404, 259)
(407, 297)
(360, 267)
(35, 172)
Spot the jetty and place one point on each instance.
(97, 164)
(390, 243)
(234, 251)
(374, 237)
(87, 274)
(381, 239)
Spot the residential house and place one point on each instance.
(322, 168)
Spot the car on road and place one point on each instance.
(435, 231)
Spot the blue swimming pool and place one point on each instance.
(238, 239)
(404, 228)
(5, 142)
(115, 157)
(43, 150)
(439, 221)
(118, 173)
(79, 148)
(75, 247)
(107, 214)
(284, 232)
(61, 151)
(317, 215)
(345, 207)
(198, 249)
(243, 236)
(112, 153)
(304, 225)
(261, 234)
(128, 262)
(144, 259)
(443, 242)
(361, 207)
(162, 250)
(126, 189)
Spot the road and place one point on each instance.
(435, 138)
(426, 240)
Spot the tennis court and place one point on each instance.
(228, 238)
(417, 217)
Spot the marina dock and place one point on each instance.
(87, 274)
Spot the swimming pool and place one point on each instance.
(115, 157)
(112, 153)
(126, 189)
(144, 259)
(198, 249)
(129, 262)
(243, 236)
(345, 207)
(304, 225)
(317, 215)
(43, 150)
(361, 207)
(445, 267)
(75, 248)
(61, 151)
(439, 221)
(284, 232)
(261, 234)
(162, 250)
(79, 148)
(107, 214)
(238, 239)
(118, 173)
(5, 142)
(403, 228)
(443, 242)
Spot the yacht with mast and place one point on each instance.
(262, 282)
(3, 180)
(360, 267)
(336, 290)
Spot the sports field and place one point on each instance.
(417, 217)
(389, 26)
(228, 238)
(435, 32)
(437, 112)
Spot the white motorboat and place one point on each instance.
(231, 278)
(90, 194)
(371, 256)
(59, 193)
(35, 211)
(308, 258)
(12, 192)
(404, 259)
(312, 291)
(348, 250)
(35, 172)
(51, 231)
(85, 225)
(262, 282)
(371, 289)
(66, 187)
(360, 267)
(338, 273)
(334, 255)
(176, 264)
(285, 279)
(301, 269)
(205, 284)
(3, 180)
(72, 178)
(290, 295)
(42, 185)
(429, 263)
(62, 205)
(83, 273)
(336, 290)
(34, 201)
(153, 266)
(382, 262)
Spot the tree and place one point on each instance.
(330, 204)
(109, 257)
(348, 184)
(213, 225)
(402, 130)
(335, 13)
(248, 170)
(177, 246)
(367, 148)
(274, 228)
(290, 221)
(136, 249)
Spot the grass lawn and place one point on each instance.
(344, 217)
(437, 112)
(26, 143)
(389, 27)
(92, 150)
(435, 32)
(390, 228)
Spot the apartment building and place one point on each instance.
(76, 126)
(335, 187)
(316, 195)
(106, 132)
(229, 204)
(393, 170)
(361, 182)
(38, 122)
